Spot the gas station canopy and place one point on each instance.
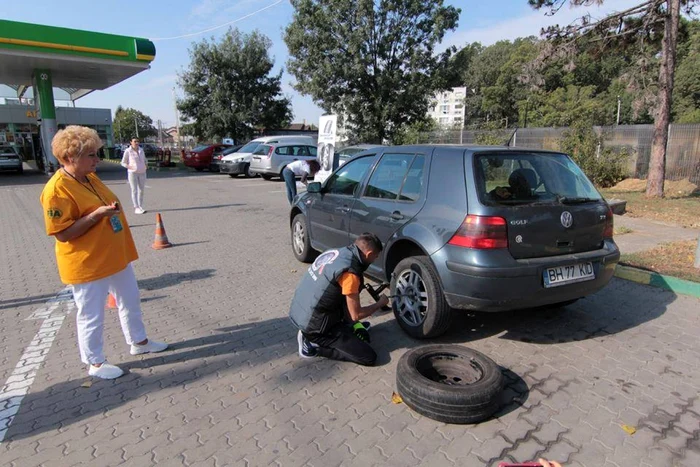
(80, 61)
(44, 57)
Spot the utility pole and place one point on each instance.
(160, 134)
(136, 126)
(618, 110)
(177, 121)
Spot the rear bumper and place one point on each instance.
(520, 284)
(10, 166)
(232, 168)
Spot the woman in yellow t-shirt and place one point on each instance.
(94, 248)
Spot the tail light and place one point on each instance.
(269, 153)
(481, 232)
(609, 224)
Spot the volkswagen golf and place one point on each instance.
(472, 228)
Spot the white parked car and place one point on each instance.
(239, 162)
(271, 158)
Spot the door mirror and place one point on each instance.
(314, 187)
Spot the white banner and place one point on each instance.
(327, 126)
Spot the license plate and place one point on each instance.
(554, 277)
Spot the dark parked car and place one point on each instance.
(475, 228)
(200, 157)
(10, 160)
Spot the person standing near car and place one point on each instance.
(134, 159)
(300, 168)
(326, 306)
(94, 249)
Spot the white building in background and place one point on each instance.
(448, 107)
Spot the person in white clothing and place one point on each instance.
(134, 160)
(301, 168)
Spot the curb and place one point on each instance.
(658, 280)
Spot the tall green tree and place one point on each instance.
(129, 123)
(372, 63)
(686, 96)
(658, 19)
(229, 90)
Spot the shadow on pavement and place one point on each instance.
(22, 301)
(174, 278)
(257, 344)
(200, 207)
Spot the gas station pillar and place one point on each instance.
(46, 116)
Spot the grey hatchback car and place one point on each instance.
(473, 228)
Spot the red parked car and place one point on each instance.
(200, 158)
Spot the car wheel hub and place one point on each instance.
(298, 238)
(412, 297)
(450, 369)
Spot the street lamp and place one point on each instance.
(618, 111)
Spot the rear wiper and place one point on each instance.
(575, 200)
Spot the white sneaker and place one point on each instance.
(139, 211)
(105, 371)
(149, 347)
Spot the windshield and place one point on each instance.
(532, 178)
(250, 147)
(200, 148)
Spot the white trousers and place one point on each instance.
(90, 299)
(137, 182)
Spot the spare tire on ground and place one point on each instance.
(449, 383)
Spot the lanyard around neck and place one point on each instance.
(91, 188)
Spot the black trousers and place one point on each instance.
(340, 343)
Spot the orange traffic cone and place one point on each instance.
(111, 302)
(161, 240)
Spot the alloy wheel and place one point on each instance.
(412, 297)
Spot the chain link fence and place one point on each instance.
(682, 149)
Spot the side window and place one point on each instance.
(387, 178)
(283, 150)
(312, 150)
(410, 191)
(300, 151)
(346, 180)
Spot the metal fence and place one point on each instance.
(682, 149)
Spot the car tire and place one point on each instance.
(301, 244)
(449, 383)
(20, 171)
(247, 172)
(199, 169)
(267, 177)
(424, 313)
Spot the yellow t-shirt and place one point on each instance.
(99, 252)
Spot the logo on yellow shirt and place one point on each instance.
(54, 213)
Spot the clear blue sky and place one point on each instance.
(151, 91)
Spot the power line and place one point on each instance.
(220, 26)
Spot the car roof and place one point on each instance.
(472, 148)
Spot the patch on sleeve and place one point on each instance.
(54, 213)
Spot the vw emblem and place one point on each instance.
(566, 219)
(519, 239)
(44, 76)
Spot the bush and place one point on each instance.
(603, 166)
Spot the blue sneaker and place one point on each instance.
(307, 349)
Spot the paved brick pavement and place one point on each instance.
(232, 391)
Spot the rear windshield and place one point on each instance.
(263, 149)
(250, 147)
(200, 148)
(531, 178)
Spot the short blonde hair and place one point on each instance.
(75, 141)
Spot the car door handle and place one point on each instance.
(396, 215)
(343, 209)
